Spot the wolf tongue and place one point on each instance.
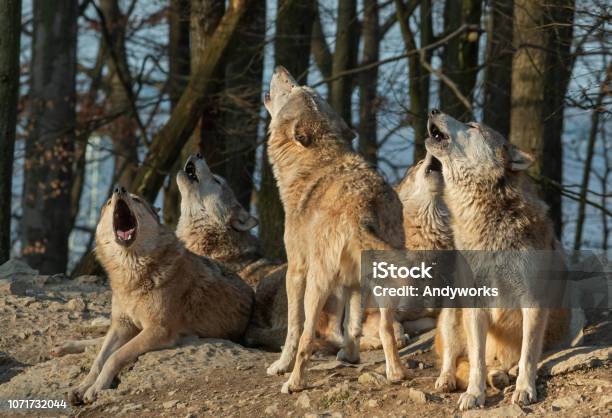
(125, 235)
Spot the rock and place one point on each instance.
(131, 407)
(567, 402)
(76, 305)
(56, 306)
(14, 268)
(606, 402)
(417, 396)
(576, 358)
(9, 286)
(303, 401)
(170, 404)
(272, 409)
(506, 411)
(372, 403)
(87, 279)
(372, 379)
(100, 321)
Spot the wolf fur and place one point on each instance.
(160, 291)
(493, 206)
(335, 207)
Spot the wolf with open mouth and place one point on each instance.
(160, 291)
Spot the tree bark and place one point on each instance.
(344, 58)
(242, 100)
(178, 77)
(291, 49)
(418, 77)
(167, 144)
(498, 73)
(119, 95)
(10, 32)
(319, 48)
(460, 57)
(559, 64)
(368, 83)
(540, 73)
(45, 224)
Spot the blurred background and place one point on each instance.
(99, 92)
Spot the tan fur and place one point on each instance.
(214, 224)
(335, 207)
(160, 292)
(493, 207)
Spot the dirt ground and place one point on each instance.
(207, 377)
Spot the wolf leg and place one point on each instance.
(314, 299)
(475, 324)
(295, 285)
(394, 369)
(352, 329)
(451, 345)
(117, 335)
(534, 328)
(75, 346)
(148, 339)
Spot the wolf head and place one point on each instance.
(206, 197)
(301, 119)
(472, 150)
(128, 224)
(423, 181)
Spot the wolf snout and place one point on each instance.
(434, 112)
(119, 190)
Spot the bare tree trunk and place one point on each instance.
(319, 48)
(45, 226)
(418, 77)
(460, 57)
(528, 71)
(498, 74)
(179, 58)
(166, 146)
(10, 32)
(291, 49)
(586, 174)
(560, 24)
(368, 83)
(204, 17)
(540, 73)
(242, 100)
(344, 58)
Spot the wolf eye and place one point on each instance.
(473, 125)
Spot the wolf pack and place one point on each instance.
(210, 278)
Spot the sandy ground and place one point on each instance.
(207, 377)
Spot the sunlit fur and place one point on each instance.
(213, 223)
(160, 291)
(335, 207)
(493, 207)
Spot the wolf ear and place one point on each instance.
(302, 134)
(519, 160)
(241, 220)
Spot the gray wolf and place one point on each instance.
(335, 206)
(214, 224)
(493, 207)
(160, 291)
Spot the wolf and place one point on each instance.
(335, 207)
(160, 291)
(213, 223)
(493, 207)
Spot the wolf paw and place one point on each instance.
(278, 367)
(90, 395)
(290, 387)
(396, 374)
(75, 397)
(524, 396)
(446, 383)
(468, 400)
(498, 379)
(348, 357)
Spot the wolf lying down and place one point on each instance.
(160, 291)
